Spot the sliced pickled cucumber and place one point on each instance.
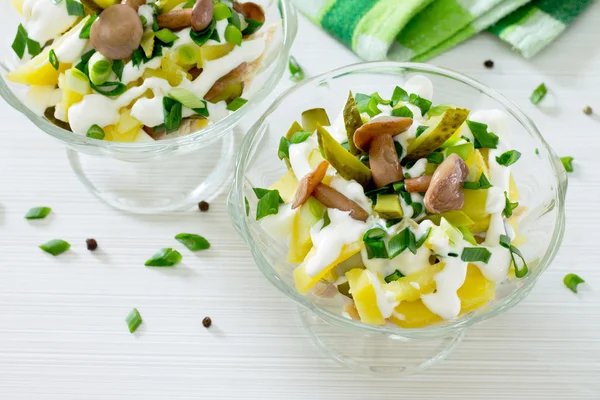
(462, 150)
(456, 218)
(313, 117)
(293, 129)
(230, 92)
(348, 166)
(388, 206)
(352, 121)
(441, 129)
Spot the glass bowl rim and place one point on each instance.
(452, 326)
(203, 137)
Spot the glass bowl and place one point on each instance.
(164, 175)
(541, 179)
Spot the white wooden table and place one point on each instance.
(62, 329)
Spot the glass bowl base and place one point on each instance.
(377, 354)
(174, 182)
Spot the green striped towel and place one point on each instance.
(417, 30)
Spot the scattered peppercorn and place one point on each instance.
(207, 322)
(91, 244)
(489, 64)
(587, 110)
(203, 206)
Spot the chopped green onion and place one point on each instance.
(567, 162)
(462, 150)
(85, 58)
(379, 100)
(326, 220)
(75, 8)
(172, 112)
(399, 149)
(423, 238)
(118, 88)
(420, 130)
(299, 137)
(284, 148)
(117, 67)
(235, 19)
(236, 104)
(38, 213)
(155, 26)
(100, 68)
(166, 36)
(87, 28)
(417, 209)
(374, 234)
(186, 98)
(392, 222)
(77, 81)
(370, 107)
(95, 132)
(538, 94)
(221, 11)
(193, 242)
(143, 20)
(53, 59)
(202, 37)
(508, 158)
(402, 112)
(33, 47)
(189, 4)
(138, 57)
(295, 69)
(438, 110)
(376, 249)
(402, 241)
(399, 186)
(399, 95)
(247, 204)
(55, 247)
(505, 242)
(435, 158)
(452, 255)
(164, 258)
(537, 151)
(508, 206)
(134, 320)
(233, 35)
(572, 281)
(483, 138)
(467, 235)
(423, 104)
(394, 276)
(260, 193)
(252, 27)
(20, 43)
(268, 203)
(476, 254)
(483, 183)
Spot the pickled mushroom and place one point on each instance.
(331, 198)
(308, 184)
(418, 185)
(118, 32)
(445, 191)
(198, 17)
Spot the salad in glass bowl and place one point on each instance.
(407, 211)
(137, 70)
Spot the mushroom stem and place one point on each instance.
(175, 19)
(445, 191)
(418, 185)
(384, 162)
(308, 183)
(331, 198)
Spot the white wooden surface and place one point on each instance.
(62, 334)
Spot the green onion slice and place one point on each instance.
(87, 28)
(508, 158)
(118, 66)
(172, 112)
(399, 95)
(467, 235)
(394, 276)
(476, 254)
(402, 241)
(284, 148)
(53, 59)
(483, 138)
(166, 257)
(95, 132)
(572, 281)
(75, 8)
(236, 104)
(538, 94)
(33, 47)
(233, 35)
(420, 130)
(295, 69)
(221, 11)
(55, 247)
(435, 158)
(186, 98)
(423, 104)
(20, 43)
(299, 137)
(38, 213)
(166, 36)
(567, 162)
(376, 249)
(423, 238)
(402, 112)
(519, 271)
(192, 241)
(134, 320)
(508, 206)
(268, 203)
(372, 234)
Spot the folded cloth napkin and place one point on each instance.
(416, 30)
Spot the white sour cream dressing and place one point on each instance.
(300, 154)
(418, 169)
(386, 300)
(352, 190)
(45, 20)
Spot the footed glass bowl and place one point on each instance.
(391, 350)
(165, 175)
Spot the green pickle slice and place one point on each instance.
(313, 117)
(352, 121)
(388, 206)
(438, 132)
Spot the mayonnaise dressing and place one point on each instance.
(45, 20)
(329, 241)
(300, 154)
(352, 190)
(148, 13)
(445, 302)
(420, 85)
(71, 48)
(418, 169)
(386, 300)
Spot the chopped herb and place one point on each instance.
(376, 249)
(399, 149)
(435, 158)
(33, 47)
(268, 203)
(508, 158)
(402, 241)
(295, 69)
(190, 4)
(95, 132)
(417, 209)
(402, 112)
(193, 242)
(203, 206)
(172, 111)
(423, 238)
(91, 244)
(200, 38)
(399, 95)
(538, 94)
(420, 130)
(117, 67)
(399, 186)
(326, 220)
(394, 276)
(206, 322)
(367, 104)
(453, 255)
(87, 28)
(252, 27)
(83, 64)
(299, 137)
(233, 35)
(221, 11)
(134, 320)
(505, 242)
(20, 43)
(186, 98)
(423, 104)
(260, 192)
(508, 206)
(284, 148)
(537, 151)
(476, 254)
(164, 258)
(138, 57)
(567, 162)
(467, 235)
(166, 36)
(247, 204)
(105, 88)
(38, 213)
(379, 100)
(392, 222)
(483, 183)
(235, 19)
(587, 110)
(143, 20)
(55, 247)
(489, 64)
(483, 138)
(572, 281)
(53, 59)
(374, 234)
(438, 110)
(236, 104)
(75, 8)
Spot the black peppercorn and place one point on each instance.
(91, 244)
(203, 206)
(207, 322)
(489, 64)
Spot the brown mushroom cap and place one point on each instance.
(384, 161)
(387, 125)
(135, 4)
(308, 184)
(331, 198)
(117, 32)
(418, 185)
(250, 10)
(202, 14)
(445, 191)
